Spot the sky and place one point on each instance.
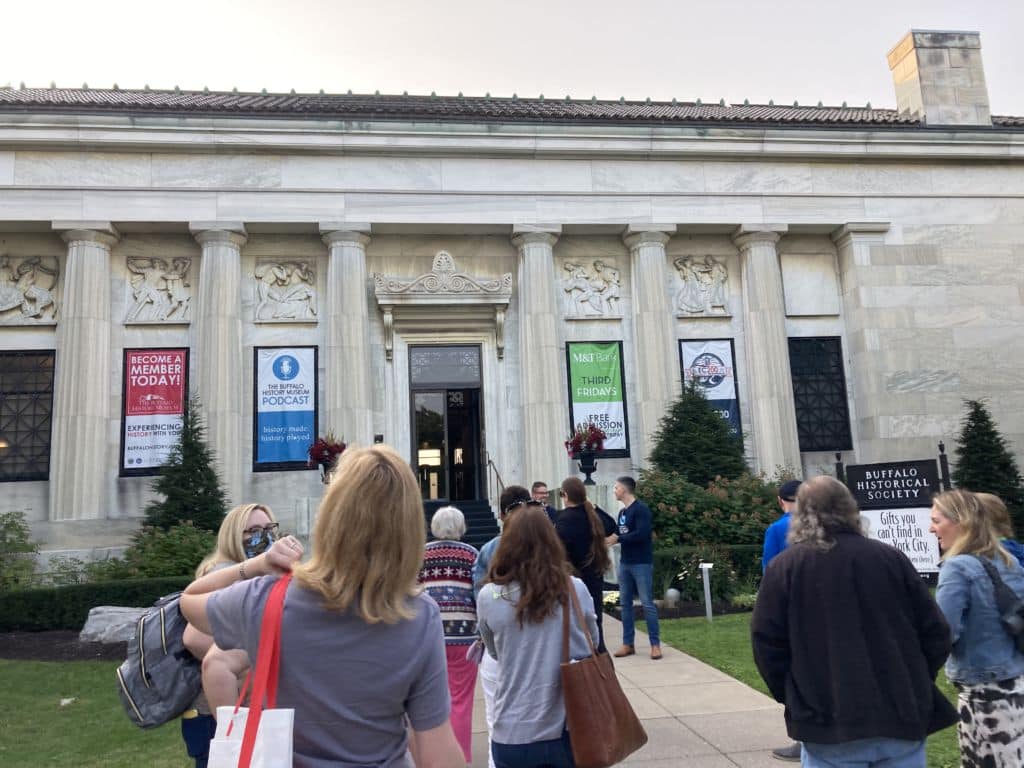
(784, 50)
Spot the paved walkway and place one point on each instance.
(695, 716)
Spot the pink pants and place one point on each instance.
(461, 686)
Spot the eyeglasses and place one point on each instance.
(526, 503)
(270, 528)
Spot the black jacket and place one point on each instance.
(573, 529)
(850, 641)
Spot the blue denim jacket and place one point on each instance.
(982, 650)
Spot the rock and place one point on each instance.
(110, 624)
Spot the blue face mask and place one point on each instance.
(257, 543)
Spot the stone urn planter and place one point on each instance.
(588, 464)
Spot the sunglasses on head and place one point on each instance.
(524, 503)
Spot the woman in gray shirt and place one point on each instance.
(519, 614)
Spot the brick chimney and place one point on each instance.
(939, 77)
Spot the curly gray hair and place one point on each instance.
(448, 523)
(824, 506)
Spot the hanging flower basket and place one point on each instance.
(324, 453)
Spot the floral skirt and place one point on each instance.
(991, 727)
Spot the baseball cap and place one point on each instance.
(787, 491)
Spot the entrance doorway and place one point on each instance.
(447, 433)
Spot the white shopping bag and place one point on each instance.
(273, 747)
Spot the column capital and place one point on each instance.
(217, 235)
(342, 236)
(529, 234)
(101, 233)
(859, 230)
(636, 235)
(748, 234)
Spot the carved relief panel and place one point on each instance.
(161, 290)
(285, 291)
(27, 290)
(702, 287)
(591, 290)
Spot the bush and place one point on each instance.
(737, 568)
(156, 553)
(726, 512)
(48, 608)
(17, 550)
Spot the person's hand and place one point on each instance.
(281, 556)
(611, 540)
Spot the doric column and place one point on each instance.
(217, 346)
(81, 390)
(545, 416)
(349, 398)
(657, 370)
(773, 414)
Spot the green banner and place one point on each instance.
(595, 389)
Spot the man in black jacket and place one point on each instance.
(846, 635)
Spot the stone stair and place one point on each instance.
(481, 526)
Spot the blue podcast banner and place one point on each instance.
(285, 404)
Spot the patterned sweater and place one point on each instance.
(447, 575)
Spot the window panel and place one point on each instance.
(819, 394)
(26, 410)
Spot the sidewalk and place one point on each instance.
(695, 716)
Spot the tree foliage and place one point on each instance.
(188, 481)
(694, 441)
(156, 553)
(17, 551)
(984, 462)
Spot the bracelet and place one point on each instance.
(241, 570)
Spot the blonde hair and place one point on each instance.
(368, 539)
(229, 537)
(978, 534)
(997, 512)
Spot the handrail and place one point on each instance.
(492, 467)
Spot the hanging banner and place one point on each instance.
(596, 394)
(285, 421)
(710, 364)
(153, 406)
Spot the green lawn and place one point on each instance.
(91, 732)
(725, 645)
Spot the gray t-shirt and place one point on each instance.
(528, 705)
(351, 683)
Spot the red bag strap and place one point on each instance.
(268, 662)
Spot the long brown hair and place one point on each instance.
(576, 494)
(531, 554)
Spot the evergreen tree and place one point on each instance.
(188, 481)
(985, 464)
(695, 441)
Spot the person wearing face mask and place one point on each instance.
(248, 530)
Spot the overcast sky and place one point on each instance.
(784, 50)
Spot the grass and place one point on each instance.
(725, 645)
(91, 732)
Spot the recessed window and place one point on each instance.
(819, 394)
(26, 410)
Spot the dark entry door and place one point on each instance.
(447, 434)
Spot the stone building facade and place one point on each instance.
(867, 266)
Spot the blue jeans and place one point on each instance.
(637, 578)
(556, 753)
(864, 753)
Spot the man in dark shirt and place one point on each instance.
(636, 566)
(539, 492)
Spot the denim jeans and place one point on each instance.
(556, 753)
(636, 578)
(864, 753)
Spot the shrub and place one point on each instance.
(17, 550)
(48, 608)
(156, 553)
(737, 568)
(985, 464)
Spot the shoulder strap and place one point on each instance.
(1005, 598)
(574, 601)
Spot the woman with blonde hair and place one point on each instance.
(362, 650)
(246, 531)
(997, 512)
(985, 665)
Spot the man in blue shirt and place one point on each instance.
(636, 566)
(775, 536)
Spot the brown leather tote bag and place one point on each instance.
(603, 728)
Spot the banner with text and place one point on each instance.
(596, 394)
(286, 406)
(710, 364)
(895, 500)
(155, 387)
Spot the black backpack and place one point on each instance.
(160, 679)
(1011, 607)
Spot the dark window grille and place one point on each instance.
(26, 409)
(819, 394)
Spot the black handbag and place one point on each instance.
(1011, 607)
